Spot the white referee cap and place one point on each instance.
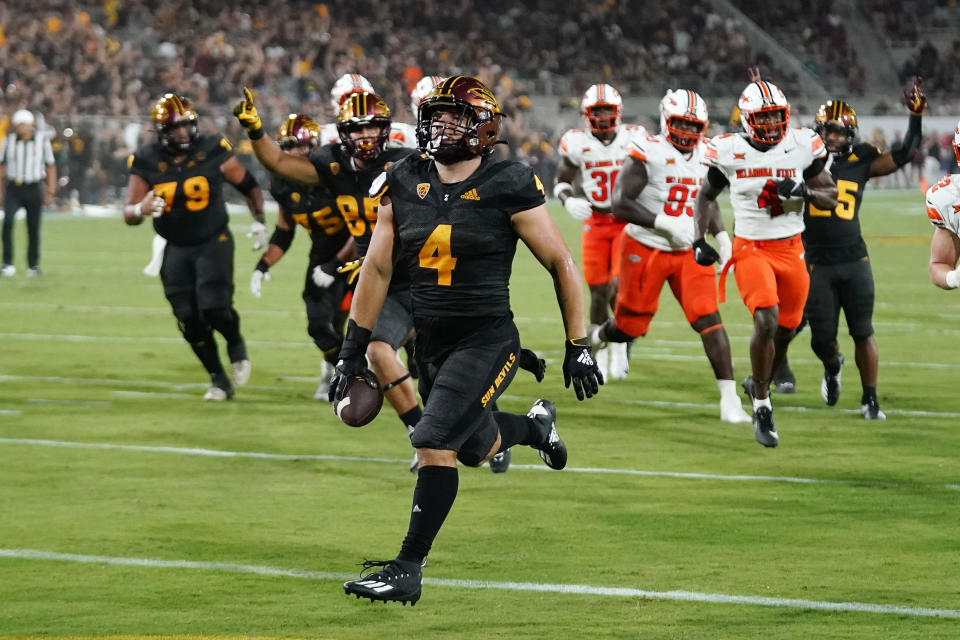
(22, 117)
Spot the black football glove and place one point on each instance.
(704, 254)
(788, 188)
(580, 368)
(530, 362)
(914, 97)
(352, 360)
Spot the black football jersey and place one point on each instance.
(456, 240)
(833, 237)
(192, 188)
(314, 209)
(349, 186)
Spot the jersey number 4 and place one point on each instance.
(846, 202)
(435, 254)
(195, 189)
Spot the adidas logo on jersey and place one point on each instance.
(470, 195)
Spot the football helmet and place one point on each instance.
(475, 128)
(836, 115)
(758, 100)
(345, 85)
(362, 110)
(298, 130)
(683, 105)
(170, 112)
(424, 86)
(597, 96)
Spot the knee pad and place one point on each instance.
(219, 318)
(324, 335)
(822, 344)
(194, 329)
(471, 458)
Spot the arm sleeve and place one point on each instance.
(716, 178)
(815, 168)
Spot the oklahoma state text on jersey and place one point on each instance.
(457, 241)
(748, 169)
(943, 203)
(673, 181)
(315, 210)
(833, 237)
(192, 188)
(599, 163)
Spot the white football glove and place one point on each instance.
(258, 230)
(257, 278)
(678, 230)
(953, 278)
(578, 208)
(151, 205)
(724, 248)
(321, 278)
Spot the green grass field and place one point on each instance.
(124, 511)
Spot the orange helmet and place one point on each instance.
(170, 112)
(477, 124)
(361, 110)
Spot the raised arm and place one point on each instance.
(905, 151)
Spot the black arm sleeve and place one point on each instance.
(282, 238)
(906, 150)
(815, 169)
(717, 179)
(248, 183)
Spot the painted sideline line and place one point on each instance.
(575, 589)
(220, 453)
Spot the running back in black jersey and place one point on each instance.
(192, 188)
(349, 186)
(313, 208)
(833, 237)
(456, 240)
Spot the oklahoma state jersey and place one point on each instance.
(349, 187)
(192, 188)
(758, 215)
(401, 135)
(943, 204)
(599, 163)
(456, 241)
(833, 237)
(673, 181)
(314, 209)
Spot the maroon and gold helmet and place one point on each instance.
(298, 130)
(475, 128)
(172, 111)
(836, 115)
(361, 110)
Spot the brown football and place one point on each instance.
(360, 401)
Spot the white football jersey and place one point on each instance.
(599, 163)
(748, 170)
(943, 203)
(673, 181)
(401, 135)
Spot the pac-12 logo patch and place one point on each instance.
(422, 189)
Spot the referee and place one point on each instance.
(29, 181)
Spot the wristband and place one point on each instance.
(262, 266)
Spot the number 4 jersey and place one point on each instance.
(673, 181)
(599, 163)
(192, 188)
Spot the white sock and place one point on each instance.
(762, 403)
(728, 388)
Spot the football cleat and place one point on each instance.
(323, 389)
(783, 379)
(8, 270)
(240, 371)
(763, 429)
(552, 449)
(747, 385)
(32, 272)
(830, 386)
(398, 580)
(732, 411)
(602, 356)
(219, 390)
(870, 410)
(500, 462)
(619, 365)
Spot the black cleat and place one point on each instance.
(870, 410)
(763, 429)
(500, 462)
(398, 580)
(552, 450)
(747, 385)
(830, 386)
(783, 379)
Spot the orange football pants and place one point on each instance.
(600, 248)
(772, 273)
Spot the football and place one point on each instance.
(360, 401)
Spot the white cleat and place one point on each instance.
(602, 356)
(322, 393)
(8, 270)
(619, 364)
(732, 411)
(215, 394)
(240, 370)
(156, 259)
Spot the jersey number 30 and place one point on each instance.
(435, 254)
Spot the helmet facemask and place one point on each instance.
(451, 132)
(169, 114)
(364, 111)
(684, 132)
(767, 130)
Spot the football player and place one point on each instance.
(595, 156)
(401, 133)
(836, 255)
(449, 220)
(178, 181)
(347, 169)
(655, 193)
(772, 171)
(315, 210)
(943, 209)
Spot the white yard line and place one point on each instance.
(538, 587)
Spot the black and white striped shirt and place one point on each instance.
(25, 161)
